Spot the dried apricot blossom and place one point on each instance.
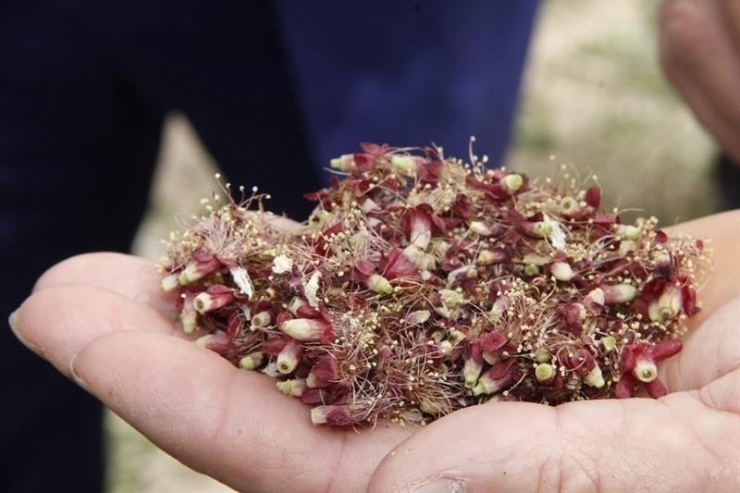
(421, 285)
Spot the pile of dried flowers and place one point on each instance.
(421, 285)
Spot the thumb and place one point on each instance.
(476, 449)
(634, 445)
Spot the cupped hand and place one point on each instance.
(700, 54)
(688, 441)
(102, 320)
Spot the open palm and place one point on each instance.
(102, 320)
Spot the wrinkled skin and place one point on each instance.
(102, 320)
(700, 54)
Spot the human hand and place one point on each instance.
(102, 320)
(686, 441)
(700, 54)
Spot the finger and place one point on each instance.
(130, 276)
(712, 348)
(282, 223)
(722, 282)
(58, 321)
(709, 353)
(231, 424)
(632, 445)
(731, 9)
(700, 59)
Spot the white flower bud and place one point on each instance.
(379, 284)
(667, 306)
(480, 228)
(615, 294)
(170, 283)
(293, 387)
(512, 182)
(282, 264)
(595, 378)
(544, 373)
(596, 296)
(562, 271)
(417, 317)
(252, 361)
(404, 164)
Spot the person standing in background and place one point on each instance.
(285, 85)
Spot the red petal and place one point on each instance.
(322, 196)
(653, 289)
(689, 300)
(461, 206)
(365, 267)
(605, 219)
(587, 359)
(593, 196)
(501, 370)
(493, 341)
(475, 352)
(235, 325)
(202, 256)
(625, 387)
(398, 265)
(273, 345)
(338, 416)
(312, 396)
(441, 225)
(628, 358)
(571, 314)
(512, 237)
(429, 172)
(326, 368)
(374, 149)
(281, 318)
(306, 311)
(218, 289)
(656, 389)
(664, 349)
(418, 220)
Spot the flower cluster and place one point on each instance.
(421, 285)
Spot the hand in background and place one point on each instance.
(102, 320)
(700, 54)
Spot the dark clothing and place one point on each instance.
(408, 73)
(727, 176)
(273, 89)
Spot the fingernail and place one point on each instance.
(439, 486)
(79, 381)
(13, 322)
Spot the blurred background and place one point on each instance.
(593, 98)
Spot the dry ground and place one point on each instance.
(593, 99)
